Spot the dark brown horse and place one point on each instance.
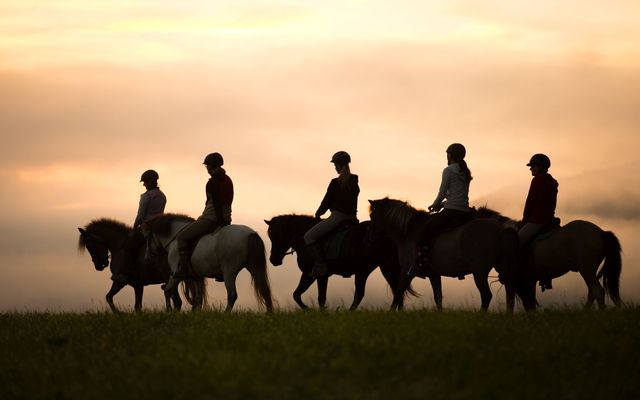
(579, 246)
(474, 248)
(106, 238)
(360, 258)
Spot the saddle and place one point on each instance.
(547, 231)
(424, 248)
(333, 243)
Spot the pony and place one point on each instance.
(473, 248)
(105, 239)
(362, 257)
(579, 246)
(221, 255)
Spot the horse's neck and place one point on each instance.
(300, 228)
(114, 240)
(176, 227)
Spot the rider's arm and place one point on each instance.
(442, 193)
(324, 205)
(142, 210)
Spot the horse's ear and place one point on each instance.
(268, 222)
(82, 231)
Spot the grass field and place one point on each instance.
(563, 354)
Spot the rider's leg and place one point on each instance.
(429, 230)
(526, 234)
(316, 232)
(185, 239)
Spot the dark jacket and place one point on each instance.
(219, 197)
(341, 198)
(541, 202)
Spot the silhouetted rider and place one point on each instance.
(151, 205)
(342, 199)
(540, 207)
(217, 212)
(452, 198)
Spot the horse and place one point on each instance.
(221, 255)
(104, 238)
(473, 248)
(579, 246)
(287, 232)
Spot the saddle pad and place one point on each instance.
(332, 245)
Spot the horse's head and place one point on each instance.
(281, 240)
(285, 232)
(97, 249)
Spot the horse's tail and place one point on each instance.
(257, 266)
(190, 288)
(610, 271)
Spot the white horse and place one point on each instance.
(222, 254)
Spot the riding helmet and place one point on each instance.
(457, 151)
(540, 160)
(213, 160)
(341, 158)
(149, 175)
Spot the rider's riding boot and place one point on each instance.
(184, 265)
(320, 266)
(183, 271)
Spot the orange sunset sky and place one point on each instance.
(92, 93)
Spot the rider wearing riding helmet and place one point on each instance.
(217, 212)
(452, 198)
(342, 200)
(152, 202)
(539, 209)
(150, 206)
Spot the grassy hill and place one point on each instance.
(563, 354)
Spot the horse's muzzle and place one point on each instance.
(275, 262)
(100, 266)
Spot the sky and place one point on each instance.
(95, 92)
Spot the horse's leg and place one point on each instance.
(511, 297)
(436, 286)
(596, 292)
(177, 301)
(482, 284)
(391, 276)
(358, 295)
(116, 286)
(305, 282)
(232, 294)
(322, 290)
(138, 290)
(167, 301)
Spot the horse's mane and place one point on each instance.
(486, 212)
(162, 224)
(398, 213)
(102, 224)
(293, 222)
(293, 216)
